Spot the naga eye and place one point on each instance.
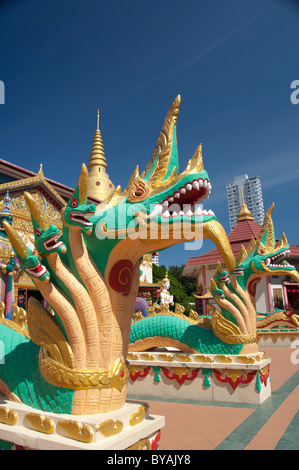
(139, 192)
(74, 203)
(37, 232)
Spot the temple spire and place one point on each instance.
(97, 156)
(99, 184)
(244, 213)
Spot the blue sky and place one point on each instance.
(232, 62)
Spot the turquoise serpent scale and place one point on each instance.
(193, 336)
(21, 371)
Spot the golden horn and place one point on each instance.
(219, 267)
(16, 241)
(242, 255)
(110, 200)
(267, 226)
(83, 184)
(164, 145)
(36, 211)
(195, 164)
(251, 246)
(284, 241)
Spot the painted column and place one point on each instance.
(270, 294)
(204, 282)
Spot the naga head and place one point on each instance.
(46, 235)
(161, 207)
(28, 262)
(77, 211)
(264, 256)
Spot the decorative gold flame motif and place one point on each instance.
(41, 423)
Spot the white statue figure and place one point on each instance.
(165, 297)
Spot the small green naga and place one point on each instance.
(72, 358)
(232, 329)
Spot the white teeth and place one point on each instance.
(268, 261)
(198, 212)
(196, 184)
(157, 210)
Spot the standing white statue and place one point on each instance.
(165, 297)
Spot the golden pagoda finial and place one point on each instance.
(97, 156)
(242, 195)
(244, 213)
(99, 184)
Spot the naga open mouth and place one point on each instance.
(52, 243)
(184, 201)
(279, 261)
(224, 277)
(80, 218)
(38, 271)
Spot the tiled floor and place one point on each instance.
(207, 426)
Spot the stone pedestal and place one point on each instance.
(130, 427)
(199, 377)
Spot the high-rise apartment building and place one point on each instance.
(155, 258)
(252, 194)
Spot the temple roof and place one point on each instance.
(241, 234)
(20, 176)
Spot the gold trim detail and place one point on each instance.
(110, 427)
(76, 430)
(115, 376)
(143, 444)
(133, 357)
(14, 326)
(233, 374)
(45, 332)
(229, 332)
(225, 359)
(8, 416)
(246, 359)
(184, 357)
(41, 423)
(203, 358)
(148, 357)
(139, 415)
(166, 357)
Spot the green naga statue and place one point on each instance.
(72, 357)
(232, 329)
